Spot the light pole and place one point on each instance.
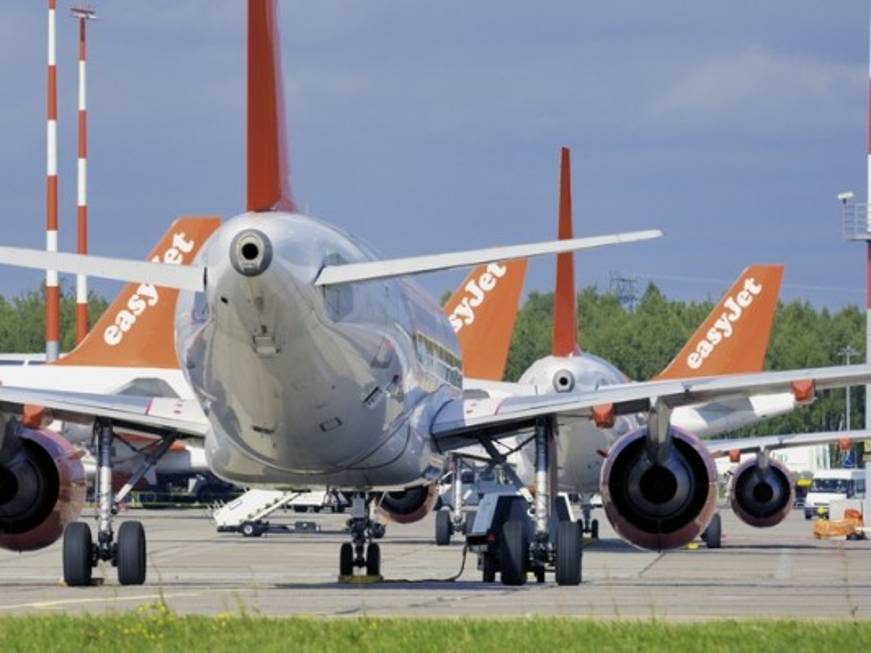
(847, 352)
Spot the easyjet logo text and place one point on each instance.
(146, 295)
(476, 292)
(724, 326)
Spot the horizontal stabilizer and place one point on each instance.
(166, 275)
(350, 272)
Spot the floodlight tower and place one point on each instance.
(83, 14)
(52, 295)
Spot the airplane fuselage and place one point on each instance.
(313, 386)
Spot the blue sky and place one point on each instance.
(428, 127)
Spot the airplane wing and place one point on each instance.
(462, 421)
(144, 413)
(725, 447)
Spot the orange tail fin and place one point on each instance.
(565, 313)
(734, 337)
(137, 330)
(482, 312)
(268, 187)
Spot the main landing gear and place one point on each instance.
(452, 520)
(363, 530)
(127, 550)
(516, 544)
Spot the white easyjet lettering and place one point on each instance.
(723, 327)
(146, 295)
(477, 291)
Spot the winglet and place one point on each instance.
(138, 328)
(268, 181)
(733, 339)
(565, 325)
(482, 312)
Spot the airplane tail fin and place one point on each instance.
(733, 339)
(565, 314)
(137, 329)
(482, 312)
(268, 186)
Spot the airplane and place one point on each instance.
(316, 364)
(736, 346)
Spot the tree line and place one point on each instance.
(640, 340)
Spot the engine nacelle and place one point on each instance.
(42, 487)
(762, 496)
(659, 505)
(410, 505)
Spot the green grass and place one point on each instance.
(158, 629)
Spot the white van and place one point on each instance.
(833, 485)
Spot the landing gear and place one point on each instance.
(713, 533)
(361, 552)
(589, 526)
(443, 528)
(450, 520)
(128, 552)
(568, 553)
(78, 555)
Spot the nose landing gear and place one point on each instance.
(361, 552)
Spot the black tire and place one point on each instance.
(373, 560)
(346, 560)
(78, 554)
(131, 556)
(489, 567)
(514, 553)
(713, 532)
(569, 552)
(378, 531)
(249, 529)
(539, 575)
(443, 528)
(808, 514)
(469, 522)
(594, 529)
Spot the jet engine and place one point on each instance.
(762, 495)
(42, 487)
(659, 499)
(409, 505)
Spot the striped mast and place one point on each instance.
(868, 245)
(52, 296)
(83, 15)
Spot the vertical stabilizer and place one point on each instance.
(138, 328)
(482, 312)
(268, 186)
(734, 337)
(565, 325)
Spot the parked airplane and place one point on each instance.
(732, 339)
(314, 364)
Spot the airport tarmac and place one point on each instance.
(778, 572)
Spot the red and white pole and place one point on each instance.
(52, 295)
(82, 191)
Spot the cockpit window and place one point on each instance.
(438, 359)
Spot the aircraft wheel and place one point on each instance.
(539, 574)
(131, 557)
(377, 530)
(373, 560)
(489, 567)
(713, 532)
(594, 529)
(78, 552)
(443, 528)
(346, 560)
(569, 552)
(514, 553)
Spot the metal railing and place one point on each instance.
(856, 221)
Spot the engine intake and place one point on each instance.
(762, 495)
(659, 505)
(42, 488)
(410, 505)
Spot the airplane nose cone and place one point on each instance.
(251, 252)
